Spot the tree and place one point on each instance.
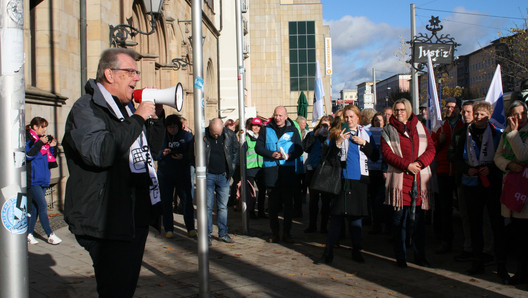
(511, 52)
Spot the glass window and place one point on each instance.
(302, 42)
(311, 41)
(302, 55)
(294, 84)
(293, 42)
(294, 72)
(311, 84)
(311, 70)
(293, 56)
(293, 28)
(311, 55)
(310, 28)
(301, 28)
(303, 70)
(303, 84)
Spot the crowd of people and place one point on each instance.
(392, 171)
(399, 176)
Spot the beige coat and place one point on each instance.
(520, 148)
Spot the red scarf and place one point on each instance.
(44, 150)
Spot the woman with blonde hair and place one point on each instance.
(353, 146)
(408, 149)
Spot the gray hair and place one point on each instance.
(515, 104)
(109, 60)
(300, 118)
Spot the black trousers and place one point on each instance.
(314, 205)
(443, 210)
(116, 263)
(479, 197)
(281, 198)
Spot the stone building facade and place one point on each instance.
(59, 59)
(271, 59)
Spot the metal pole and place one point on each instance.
(83, 44)
(374, 86)
(414, 74)
(201, 170)
(241, 115)
(13, 243)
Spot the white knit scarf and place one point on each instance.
(139, 157)
(487, 149)
(363, 159)
(394, 181)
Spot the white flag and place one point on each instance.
(434, 113)
(318, 110)
(496, 99)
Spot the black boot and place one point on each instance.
(520, 274)
(326, 258)
(477, 267)
(503, 273)
(357, 256)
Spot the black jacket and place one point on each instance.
(99, 193)
(231, 149)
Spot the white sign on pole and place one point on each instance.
(328, 56)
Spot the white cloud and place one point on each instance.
(360, 44)
(471, 31)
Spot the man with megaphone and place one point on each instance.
(112, 193)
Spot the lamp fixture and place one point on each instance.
(180, 62)
(120, 33)
(190, 39)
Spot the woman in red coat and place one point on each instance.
(408, 150)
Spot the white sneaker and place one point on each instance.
(31, 239)
(54, 239)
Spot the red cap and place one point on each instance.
(256, 121)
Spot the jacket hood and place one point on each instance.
(252, 135)
(288, 121)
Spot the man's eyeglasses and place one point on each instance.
(131, 71)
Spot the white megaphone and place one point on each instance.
(172, 96)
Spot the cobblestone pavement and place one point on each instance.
(251, 267)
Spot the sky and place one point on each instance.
(371, 36)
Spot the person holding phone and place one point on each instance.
(174, 173)
(354, 147)
(40, 149)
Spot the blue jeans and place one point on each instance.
(400, 219)
(218, 183)
(39, 207)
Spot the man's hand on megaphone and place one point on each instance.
(160, 112)
(146, 110)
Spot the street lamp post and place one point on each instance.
(120, 33)
(387, 97)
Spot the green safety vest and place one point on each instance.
(253, 160)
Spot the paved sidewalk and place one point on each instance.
(251, 267)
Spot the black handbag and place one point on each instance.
(327, 177)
